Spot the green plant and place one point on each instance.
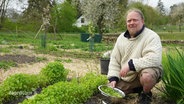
(7, 64)
(111, 92)
(5, 50)
(76, 91)
(64, 60)
(41, 59)
(65, 22)
(20, 85)
(173, 75)
(54, 72)
(17, 86)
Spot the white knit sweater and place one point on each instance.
(145, 50)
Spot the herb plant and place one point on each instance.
(54, 72)
(76, 91)
(111, 92)
(17, 86)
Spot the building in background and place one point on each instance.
(81, 21)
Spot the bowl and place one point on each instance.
(105, 90)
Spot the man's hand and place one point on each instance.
(125, 69)
(112, 84)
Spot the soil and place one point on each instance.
(27, 63)
(19, 59)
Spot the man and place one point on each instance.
(135, 64)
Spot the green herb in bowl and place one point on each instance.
(112, 92)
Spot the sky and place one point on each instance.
(153, 3)
(167, 3)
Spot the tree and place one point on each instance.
(34, 10)
(160, 8)
(102, 13)
(177, 14)
(162, 13)
(3, 9)
(150, 14)
(77, 5)
(64, 16)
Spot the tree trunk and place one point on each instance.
(3, 7)
(100, 25)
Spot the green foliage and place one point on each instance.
(19, 37)
(152, 17)
(4, 50)
(171, 36)
(64, 16)
(7, 64)
(173, 75)
(75, 92)
(20, 25)
(111, 92)
(93, 81)
(17, 86)
(41, 59)
(160, 8)
(33, 13)
(54, 72)
(172, 29)
(64, 60)
(177, 14)
(20, 85)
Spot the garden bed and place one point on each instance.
(83, 66)
(19, 59)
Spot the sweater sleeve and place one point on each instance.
(115, 61)
(151, 55)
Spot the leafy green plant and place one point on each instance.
(76, 91)
(111, 92)
(17, 86)
(54, 72)
(173, 76)
(20, 85)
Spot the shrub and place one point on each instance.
(173, 76)
(76, 91)
(54, 72)
(17, 86)
(21, 85)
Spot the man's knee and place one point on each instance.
(147, 81)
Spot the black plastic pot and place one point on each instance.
(104, 64)
(84, 37)
(98, 38)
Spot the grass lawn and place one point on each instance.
(171, 36)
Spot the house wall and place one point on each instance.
(81, 21)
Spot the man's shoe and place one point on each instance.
(145, 98)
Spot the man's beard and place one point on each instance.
(132, 32)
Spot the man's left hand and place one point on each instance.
(124, 70)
